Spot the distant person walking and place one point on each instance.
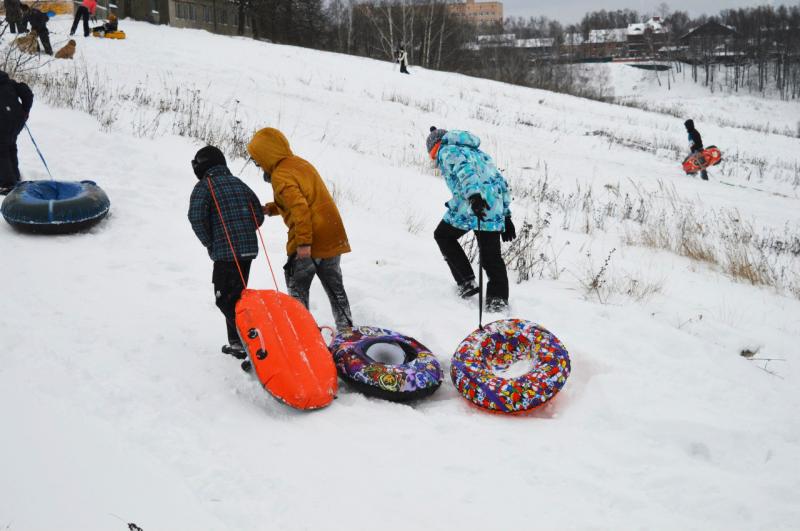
(402, 58)
(85, 10)
(695, 143)
(13, 10)
(16, 100)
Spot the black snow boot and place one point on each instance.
(235, 349)
(496, 304)
(468, 289)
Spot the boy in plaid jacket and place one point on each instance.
(240, 208)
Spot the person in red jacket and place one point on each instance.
(85, 10)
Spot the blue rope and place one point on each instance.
(39, 152)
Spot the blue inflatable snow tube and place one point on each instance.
(55, 207)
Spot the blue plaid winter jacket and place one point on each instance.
(235, 199)
(469, 171)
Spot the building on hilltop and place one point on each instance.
(711, 42)
(478, 13)
(645, 38)
(216, 16)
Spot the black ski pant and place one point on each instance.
(228, 290)
(300, 272)
(81, 14)
(403, 69)
(17, 27)
(447, 236)
(44, 36)
(9, 165)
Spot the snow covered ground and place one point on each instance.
(117, 406)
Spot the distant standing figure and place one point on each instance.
(402, 58)
(86, 9)
(13, 10)
(695, 143)
(16, 100)
(38, 22)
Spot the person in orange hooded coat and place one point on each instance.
(317, 237)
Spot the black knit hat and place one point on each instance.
(207, 158)
(689, 124)
(434, 137)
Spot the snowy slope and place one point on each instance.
(116, 403)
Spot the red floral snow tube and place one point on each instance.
(510, 366)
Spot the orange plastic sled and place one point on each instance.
(286, 349)
(711, 156)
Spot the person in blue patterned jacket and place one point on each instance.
(480, 203)
(241, 209)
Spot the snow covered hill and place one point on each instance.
(117, 406)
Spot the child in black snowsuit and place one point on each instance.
(110, 26)
(696, 143)
(16, 100)
(38, 22)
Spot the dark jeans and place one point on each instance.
(81, 14)
(300, 273)
(447, 236)
(228, 290)
(9, 165)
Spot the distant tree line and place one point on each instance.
(764, 55)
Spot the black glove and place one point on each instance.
(479, 206)
(510, 231)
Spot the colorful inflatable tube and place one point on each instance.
(55, 207)
(417, 377)
(510, 366)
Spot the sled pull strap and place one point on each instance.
(480, 277)
(264, 246)
(225, 229)
(39, 151)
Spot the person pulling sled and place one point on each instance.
(216, 197)
(695, 143)
(16, 100)
(480, 203)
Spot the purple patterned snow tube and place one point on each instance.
(417, 377)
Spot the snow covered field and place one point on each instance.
(116, 405)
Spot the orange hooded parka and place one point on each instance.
(301, 197)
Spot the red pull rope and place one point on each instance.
(225, 229)
(264, 246)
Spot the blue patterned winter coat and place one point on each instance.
(469, 171)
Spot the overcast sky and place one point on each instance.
(570, 11)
